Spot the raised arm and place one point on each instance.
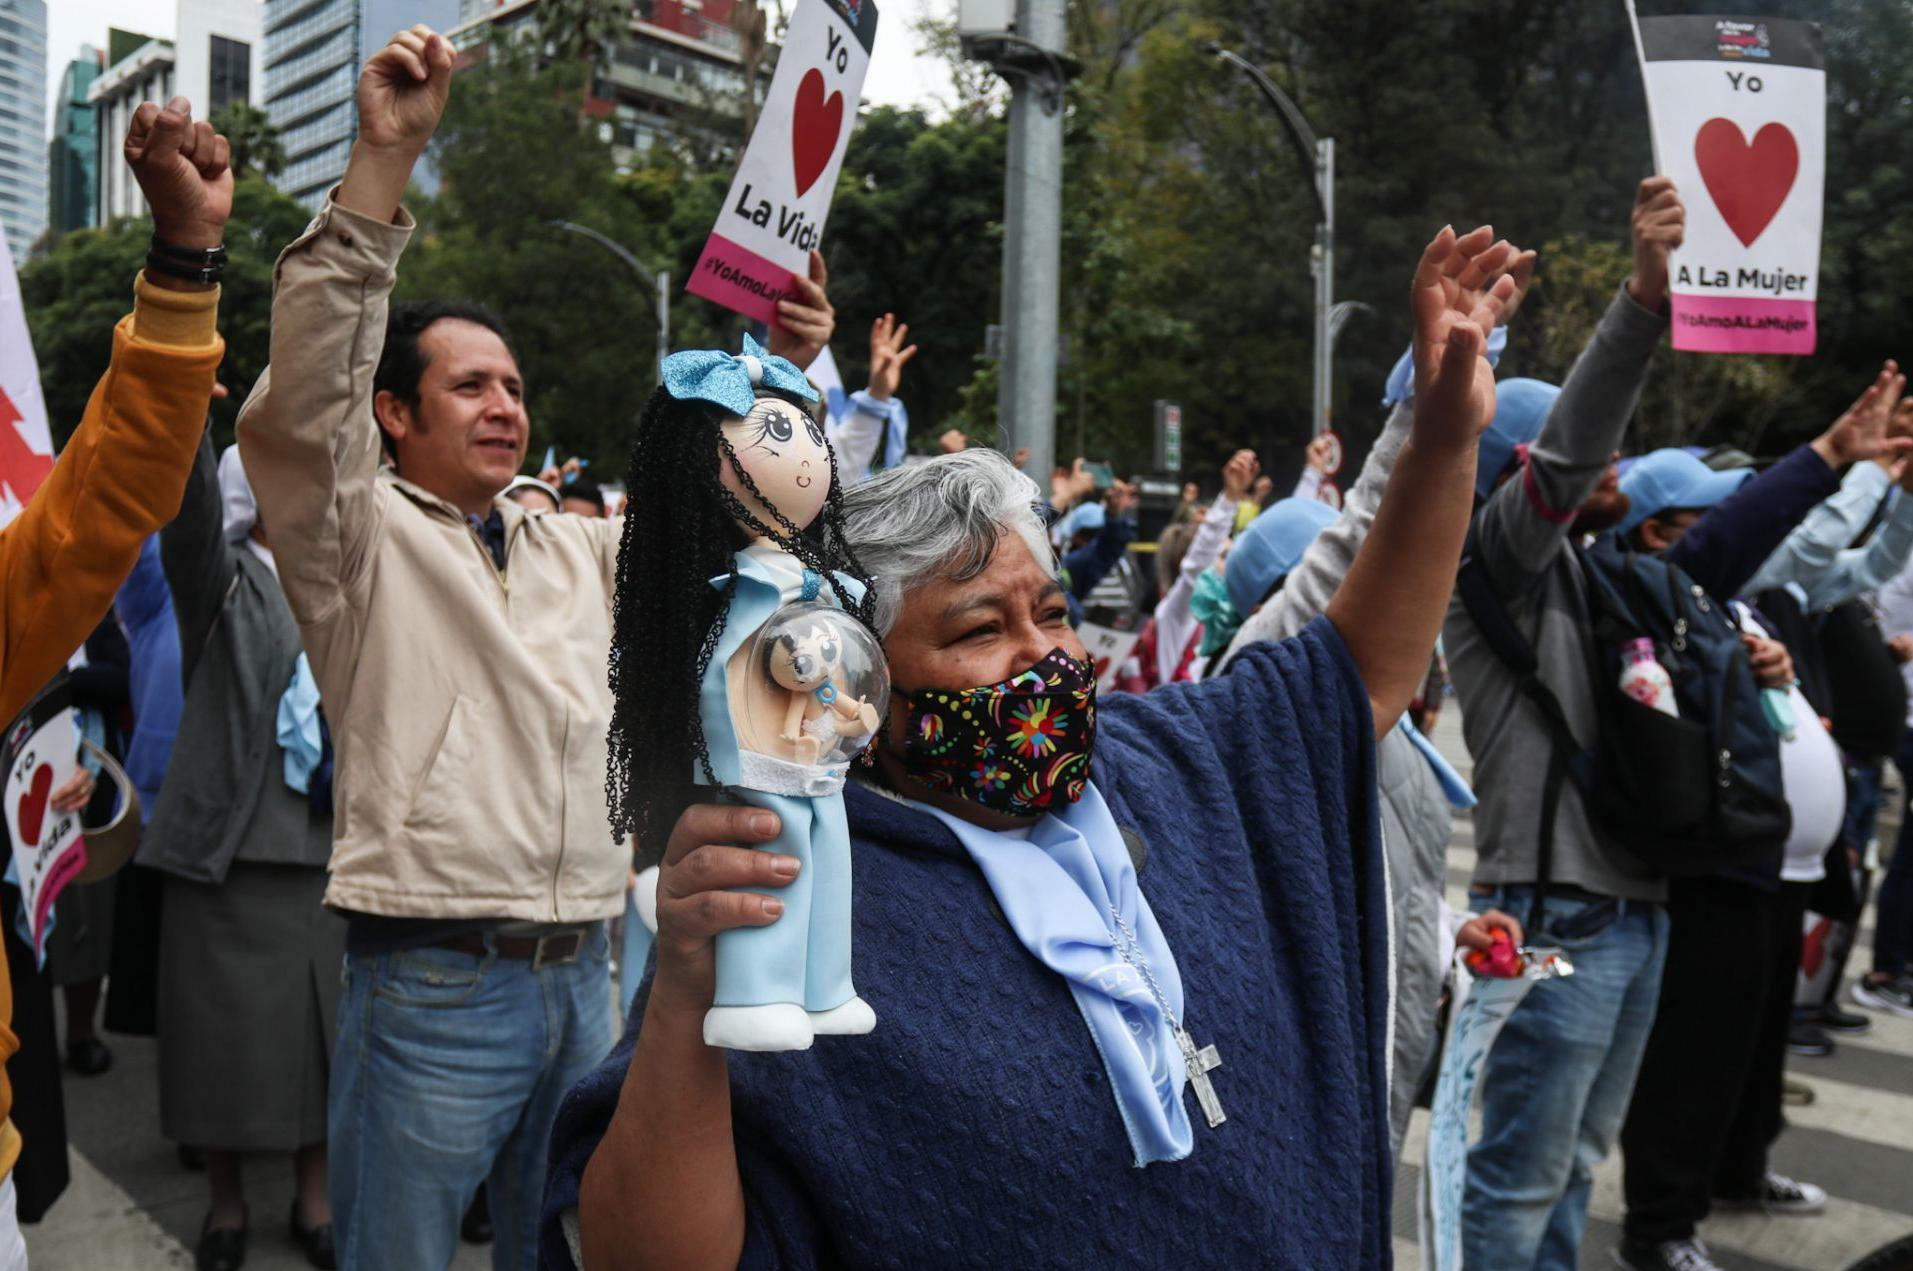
(1389, 608)
(120, 476)
(307, 434)
(1526, 521)
(1725, 548)
(1826, 531)
(197, 559)
(877, 410)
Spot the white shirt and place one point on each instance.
(1895, 604)
(1812, 778)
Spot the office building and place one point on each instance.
(73, 156)
(212, 62)
(23, 183)
(678, 75)
(313, 52)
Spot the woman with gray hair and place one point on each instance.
(1128, 961)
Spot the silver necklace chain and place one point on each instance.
(1131, 950)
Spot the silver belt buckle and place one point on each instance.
(570, 941)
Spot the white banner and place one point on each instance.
(41, 755)
(26, 445)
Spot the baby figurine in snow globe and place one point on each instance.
(741, 624)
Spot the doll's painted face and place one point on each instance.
(782, 448)
(804, 660)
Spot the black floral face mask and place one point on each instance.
(1021, 747)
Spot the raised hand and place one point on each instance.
(1067, 488)
(403, 90)
(887, 356)
(1320, 450)
(1239, 474)
(1459, 293)
(1868, 429)
(1660, 225)
(185, 170)
(805, 321)
(402, 94)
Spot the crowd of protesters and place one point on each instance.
(356, 670)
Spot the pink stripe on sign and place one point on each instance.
(1742, 324)
(739, 279)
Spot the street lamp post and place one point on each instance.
(660, 278)
(1317, 155)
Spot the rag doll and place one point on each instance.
(741, 624)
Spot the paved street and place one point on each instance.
(131, 1207)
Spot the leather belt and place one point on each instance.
(557, 948)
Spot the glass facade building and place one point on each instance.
(23, 140)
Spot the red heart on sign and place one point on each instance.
(814, 125)
(1748, 182)
(33, 805)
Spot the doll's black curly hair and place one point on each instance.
(680, 532)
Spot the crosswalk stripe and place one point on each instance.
(1858, 1112)
(101, 1228)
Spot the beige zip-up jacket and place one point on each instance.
(468, 708)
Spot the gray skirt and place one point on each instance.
(248, 1004)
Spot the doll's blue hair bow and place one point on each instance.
(729, 380)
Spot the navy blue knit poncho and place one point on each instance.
(975, 1127)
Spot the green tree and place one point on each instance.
(76, 291)
(255, 141)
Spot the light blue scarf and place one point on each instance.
(1056, 888)
(1459, 795)
(297, 727)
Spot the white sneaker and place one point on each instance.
(852, 1019)
(1673, 1255)
(1892, 996)
(1783, 1195)
(779, 1026)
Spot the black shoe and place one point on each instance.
(221, 1250)
(192, 1158)
(1838, 1019)
(315, 1241)
(476, 1227)
(89, 1057)
(1808, 1039)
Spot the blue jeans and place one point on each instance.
(1556, 1085)
(447, 1073)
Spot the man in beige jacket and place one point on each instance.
(473, 860)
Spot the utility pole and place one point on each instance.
(1025, 46)
(1317, 155)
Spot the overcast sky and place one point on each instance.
(899, 75)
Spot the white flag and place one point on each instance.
(26, 446)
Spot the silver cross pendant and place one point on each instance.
(1199, 1064)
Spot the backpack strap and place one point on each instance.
(1566, 757)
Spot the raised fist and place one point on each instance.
(185, 170)
(1660, 225)
(403, 89)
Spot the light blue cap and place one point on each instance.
(1662, 480)
(1085, 516)
(1521, 407)
(1272, 546)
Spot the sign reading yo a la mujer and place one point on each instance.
(1738, 111)
(780, 197)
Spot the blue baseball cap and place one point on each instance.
(1521, 407)
(1664, 480)
(1272, 546)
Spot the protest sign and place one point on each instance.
(1737, 108)
(1108, 650)
(26, 447)
(41, 755)
(775, 211)
(1479, 1009)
